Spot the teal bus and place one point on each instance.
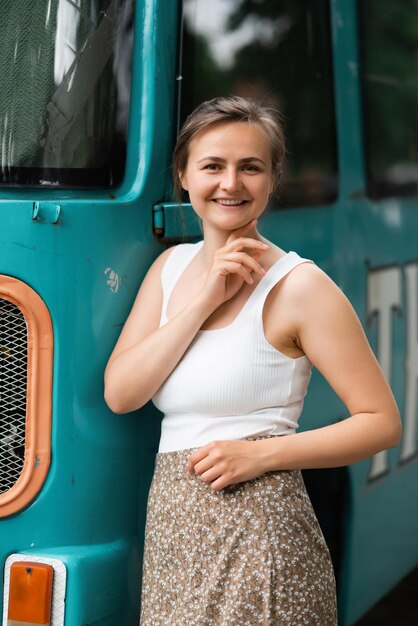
(92, 95)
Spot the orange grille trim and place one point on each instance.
(39, 394)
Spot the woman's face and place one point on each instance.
(229, 174)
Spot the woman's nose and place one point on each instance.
(231, 180)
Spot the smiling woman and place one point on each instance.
(222, 337)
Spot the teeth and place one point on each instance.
(230, 202)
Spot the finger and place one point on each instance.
(210, 475)
(230, 267)
(244, 242)
(197, 456)
(244, 258)
(203, 466)
(220, 483)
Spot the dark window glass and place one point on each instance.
(64, 98)
(278, 51)
(389, 38)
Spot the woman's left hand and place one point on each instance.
(224, 463)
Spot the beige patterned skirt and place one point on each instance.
(252, 553)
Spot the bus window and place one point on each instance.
(277, 52)
(389, 50)
(65, 82)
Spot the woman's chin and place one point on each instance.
(232, 222)
(229, 223)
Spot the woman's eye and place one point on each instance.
(251, 168)
(212, 167)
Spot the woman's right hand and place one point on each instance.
(232, 266)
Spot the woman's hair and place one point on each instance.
(231, 109)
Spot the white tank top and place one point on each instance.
(231, 383)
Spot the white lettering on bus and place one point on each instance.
(409, 440)
(383, 298)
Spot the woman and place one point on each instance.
(222, 336)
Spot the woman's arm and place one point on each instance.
(332, 337)
(330, 333)
(145, 354)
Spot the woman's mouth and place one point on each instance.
(225, 202)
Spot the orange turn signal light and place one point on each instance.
(30, 593)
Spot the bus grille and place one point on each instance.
(13, 388)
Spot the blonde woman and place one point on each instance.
(222, 337)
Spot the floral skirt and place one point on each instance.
(251, 553)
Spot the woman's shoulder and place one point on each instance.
(307, 277)
(310, 292)
(156, 267)
(307, 289)
(179, 248)
(161, 262)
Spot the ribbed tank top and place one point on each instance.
(231, 383)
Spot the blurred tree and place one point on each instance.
(203, 78)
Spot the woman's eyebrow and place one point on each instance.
(220, 160)
(252, 158)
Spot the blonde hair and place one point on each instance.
(230, 109)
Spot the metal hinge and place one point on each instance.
(46, 212)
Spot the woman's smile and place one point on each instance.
(225, 202)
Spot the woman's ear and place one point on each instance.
(183, 181)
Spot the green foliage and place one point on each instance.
(390, 88)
